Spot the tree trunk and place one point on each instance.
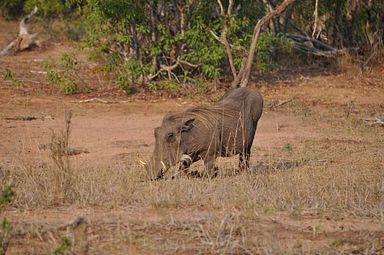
(316, 16)
(245, 70)
(223, 38)
(152, 7)
(336, 35)
(287, 19)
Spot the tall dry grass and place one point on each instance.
(319, 175)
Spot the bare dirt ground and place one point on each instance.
(313, 121)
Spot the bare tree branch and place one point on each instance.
(221, 7)
(223, 37)
(230, 7)
(316, 14)
(23, 23)
(269, 8)
(236, 47)
(188, 63)
(169, 69)
(243, 75)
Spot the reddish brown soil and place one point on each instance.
(122, 130)
(110, 132)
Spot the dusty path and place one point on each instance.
(111, 133)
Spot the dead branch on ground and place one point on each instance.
(24, 40)
(169, 69)
(274, 104)
(28, 118)
(69, 151)
(375, 121)
(307, 44)
(95, 99)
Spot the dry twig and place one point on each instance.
(169, 69)
(274, 105)
(28, 118)
(375, 121)
(95, 99)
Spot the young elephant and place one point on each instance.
(207, 132)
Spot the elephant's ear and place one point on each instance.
(187, 125)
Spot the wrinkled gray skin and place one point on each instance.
(221, 130)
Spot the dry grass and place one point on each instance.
(215, 233)
(339, 173)
(328, 174)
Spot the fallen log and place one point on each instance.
(316, 47)
(24, 40)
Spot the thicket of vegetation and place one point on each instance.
(152, 40)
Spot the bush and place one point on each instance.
(271, 50)
(11, 9)
(63, 75)
(6, 196)
(48, 8)
(149, 35)
(131, 72)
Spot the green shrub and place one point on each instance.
(11, 9)
(8, 74)
(205, 50)
(47, 8)
(6, 228)
(170, 85)
(6, 196)
(64, 247)
(271, 50)
(63, 75)
(124, 82)
(131, 72)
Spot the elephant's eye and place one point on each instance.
(170, 137)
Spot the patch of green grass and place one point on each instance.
(288, 147)
(6, 227)
(6, 195)
(8, 74)
(63, 74)
(268, 210)
(64, 247)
